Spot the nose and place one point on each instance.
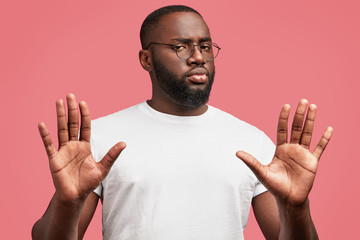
(196, 57)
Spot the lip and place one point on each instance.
(198, 75)
(198, 71)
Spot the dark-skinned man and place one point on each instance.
(179, 177)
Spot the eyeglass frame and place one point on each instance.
(192, 51)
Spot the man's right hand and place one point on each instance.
(73, 169)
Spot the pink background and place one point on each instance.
(274, 52)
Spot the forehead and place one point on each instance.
(187, 25)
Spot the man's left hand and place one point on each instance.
(290, 175)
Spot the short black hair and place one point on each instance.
(153, 18)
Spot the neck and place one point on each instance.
(176, 109)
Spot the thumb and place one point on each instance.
(255, 166)
(108, 160)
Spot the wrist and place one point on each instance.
(291, 208)
(70, 201)
(70, 208)
(61, 219)
(295, 221)
(293, 214)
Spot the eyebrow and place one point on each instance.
(187, 40)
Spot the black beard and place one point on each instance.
(177, 88)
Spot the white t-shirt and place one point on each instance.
(178, 177)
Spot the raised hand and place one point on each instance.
(73, 169)
(290, 175)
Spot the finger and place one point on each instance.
(323, 143)
(85, 129)
(308, 127)
(255, 166)
(45, 136)
(73, 114)
(282, 129)
(63, 134)
(108, 160)
(298, 121)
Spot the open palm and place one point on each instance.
(291, 173)
(73, 168)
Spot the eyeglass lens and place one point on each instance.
(185, 51)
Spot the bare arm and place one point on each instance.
(266, 214)
(87, 213)
(74, 172)
(290, 175)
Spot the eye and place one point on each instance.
(180, 46)
(206, 46)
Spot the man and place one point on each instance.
(179, 177)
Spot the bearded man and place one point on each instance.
(179, 177)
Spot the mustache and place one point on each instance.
(187, 73)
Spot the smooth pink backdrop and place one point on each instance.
(273, 52)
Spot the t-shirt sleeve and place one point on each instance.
(267, 154)
(98, 190)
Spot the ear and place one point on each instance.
(145, 59)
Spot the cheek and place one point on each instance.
(166, 57)
(210, 66)
(179, 70)
(176, 65)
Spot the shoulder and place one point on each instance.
(248, 137)
(235, 123)
(110, 127)
(128, 112)
(113, 128)
(117, 119)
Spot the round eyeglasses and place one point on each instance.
(186, 50)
